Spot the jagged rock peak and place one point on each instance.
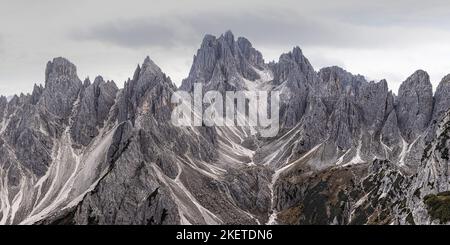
(146, 70)
(36, 94)
(337, 71)
(3, 105)
(98, 79)
(446, 79)
(295, 55)
(37, 88)
(250, 53)
(148, 81)
(14, 99)
(442, 98)
(383, 82)
(62, 87)
(147, 75)
(415, 104)
(228, 37)
(241, 46)
(212, 41)
(420, 78)
(97, 100)
(208, 41)
(150, 66)
(338, 74)
(295, 68)
(137, 71)
(86, 82)
(332, 69)
(60, 67)
(223, 61)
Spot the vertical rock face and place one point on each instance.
(414, 105)
(345, 123)
(441, 99)
(339, 90)
(375, 103)
(391, 135)
(37, 93)
(337, 82)
(250, 54)
(295, 68)
(97, 100)
(314, 122)
(3, 105)
(25, 134)
(349, 151)
(440, 107)
(295, 78)
(62, 86)
(222, 64)
(148, 77)
(151, 159)
(433, 174)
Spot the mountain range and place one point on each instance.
(349, 151)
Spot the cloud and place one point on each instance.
(131, 33)
(406, 13)
(282, 28)
(276, 27)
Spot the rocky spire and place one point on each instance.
(376, 103)
(250, 54)
(97, 100)
(223, 63)
(228, 37)
(294, 68)
(345, 122)
(3, 104)
(150, 67)
(61, 87)
(414, 105)
(86, 82)
(442, 98)
(295, 78)
(60, 70)
(36, 94)
(390, 133)
(147, 77)
(336, 82)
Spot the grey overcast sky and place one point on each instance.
(378, 39)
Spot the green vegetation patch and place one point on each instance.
(438, 206)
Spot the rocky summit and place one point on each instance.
(349, 151)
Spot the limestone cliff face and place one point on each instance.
(349, 150)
